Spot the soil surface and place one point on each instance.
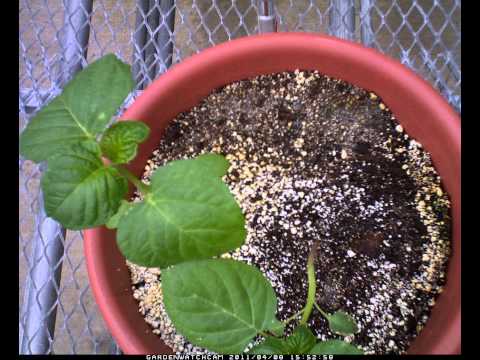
(317, 159)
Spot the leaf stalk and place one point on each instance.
(143, 188)
(312, 286)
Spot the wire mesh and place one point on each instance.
(57, 38)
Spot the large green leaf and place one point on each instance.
(82, 111)
(206, 164)
(113, 222)
(220, 305)
(342, 323)
(270, 346)
(120, 141)
(300, 342)
(335, 347)
(212, 164)
(79, 190)
(189, 214)
(278, 328)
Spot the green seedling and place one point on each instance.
(186, 217)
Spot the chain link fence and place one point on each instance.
(58, 38)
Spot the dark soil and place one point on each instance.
(314, 158)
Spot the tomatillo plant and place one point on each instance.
(186, 217)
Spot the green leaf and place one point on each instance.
(125, 206)
(188, 214)
(79, 190)
(277, 328)
(90, 145)
(335, 347)
(206, 164)
(301, 340)
(218, 304)
(82, 111)
(120, 141)
(271, 346)
(213, 164)
(342, 323)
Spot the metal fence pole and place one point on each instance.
(152, 43)
(40, 307)
(164, 40)
(43, 284)
(366, 32)
(266, 16)
(141, 39)
(74, 40)
(342, 19)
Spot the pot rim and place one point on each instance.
(118, 321)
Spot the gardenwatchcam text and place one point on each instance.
(239, 357)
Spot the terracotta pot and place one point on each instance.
(419, 108)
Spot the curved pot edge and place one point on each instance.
(435, 100)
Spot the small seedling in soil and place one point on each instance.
(186, 218)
